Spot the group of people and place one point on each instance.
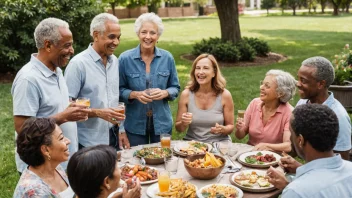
(54, 134)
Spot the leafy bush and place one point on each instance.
(245, 50)
(19, 18)
(343, 66)
(261, 47)
(223, 51)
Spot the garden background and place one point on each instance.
(296, 37)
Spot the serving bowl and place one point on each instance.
(151, 157)
(203, 173)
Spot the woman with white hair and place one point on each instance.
(266, 119)
(148, 80)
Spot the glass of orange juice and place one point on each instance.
(83, 101)
(165, 140)
(163, 180)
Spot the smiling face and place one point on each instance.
(308, 86)
(61, 52)
(58, 149)
(268, 89)
(204, 71)
(148, 35)
(105, 43)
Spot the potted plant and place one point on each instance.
(342, 85)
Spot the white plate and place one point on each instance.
(177, 148)
(145, 182)
(154, 189)
(240, 192)
(255, 187)
(242, 157)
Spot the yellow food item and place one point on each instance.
(179, 189)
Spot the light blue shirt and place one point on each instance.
(163, 75)
(39, 92)
(86, 76)
(343, 142)
(322, 178)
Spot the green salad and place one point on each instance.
(154, 152)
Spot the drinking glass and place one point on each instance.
(165, 140)
(164, 180)
(240, 113)
(121, 108)
(83, 101)
(224, 147)
(171, 164)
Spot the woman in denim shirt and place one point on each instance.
(148, 80)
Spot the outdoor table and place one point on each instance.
(182, 173)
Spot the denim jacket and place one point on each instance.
(163, 75)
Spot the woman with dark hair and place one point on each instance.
(205, 106)
(93, 173)
(43, 147)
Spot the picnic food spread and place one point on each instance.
(179, 189)
(154, 152)
(209, 161)
(144, 173)
(194, 147)
(259, 158)
(219, 191)
(251, 179)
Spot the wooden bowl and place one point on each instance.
(155, 161)
(203, 173)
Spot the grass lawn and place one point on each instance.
(296, 37)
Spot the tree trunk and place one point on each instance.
(294, 11)
(113, 8)
(322, 3)
(267, 12)
(348, 6)
(336, 5)
(229, 23)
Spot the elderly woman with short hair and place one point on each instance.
(267, 118)
(148, 80)
(42, 146)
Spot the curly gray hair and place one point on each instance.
(49, 29)
(98, 22)
(149, 17)
(325, 70)
(286, 84)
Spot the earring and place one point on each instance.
(49, 157)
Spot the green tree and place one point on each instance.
(19, 18)
(268, 4)
(283, 5)
(293, 4)
(201, 4)
(229, 23)
(336, 4)
(114, 3)
(323, 5)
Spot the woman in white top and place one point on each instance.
(205, 106)
(43, 147)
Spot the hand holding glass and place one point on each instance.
(83, 101)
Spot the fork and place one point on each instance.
(221, 176)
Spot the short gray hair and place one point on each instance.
(325, 70)
(49, 29)
(149, 17)
(286, 84)
(98, 22)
